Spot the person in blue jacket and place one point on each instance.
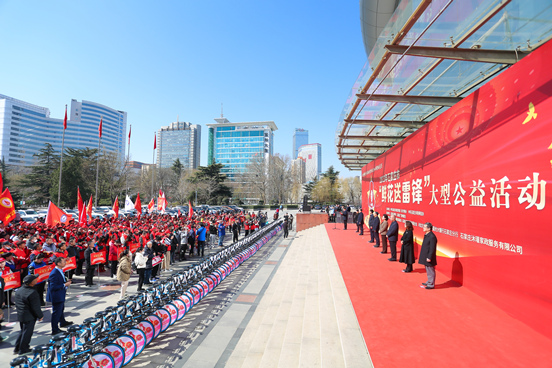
(201, 235)
(221, 233)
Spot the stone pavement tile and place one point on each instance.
(290, 355)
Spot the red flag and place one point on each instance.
(56, 215)
(65, 120)
(129, 130)
(151, 205)
(7, 208)
(100, 128)
(155, 142)
(161, 201)
(89, 209)
(191, 212)
(116, 207)
(138, 204)
(82, 209)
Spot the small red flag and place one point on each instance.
(155, 142)
(89, 209)
(116, 207)
(138, 204)
(100, 128)
(65, 120)
(129, 131)
(80, 203)
(55, 215)
(7, 208)
(151, 205)
(82, 209)
(191, 209)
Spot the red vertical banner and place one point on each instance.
(12, 280)
(44, 272)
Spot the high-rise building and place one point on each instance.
(298, 173)
(181, 141)
(235, 144)
(25, 128)
(300, 138)
(312, 155)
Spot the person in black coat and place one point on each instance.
(371, 226)
(407, 248)
(376, 226)
(27, 303)
(360, 222)
(345, 215)
(392, 237)
(148, 253)
(89, 266)
(428, 256)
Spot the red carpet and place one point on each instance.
(450, 326)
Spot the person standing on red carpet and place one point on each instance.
(428, 255)
(383, 232)
(407, 248)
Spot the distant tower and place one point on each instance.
(300, 138)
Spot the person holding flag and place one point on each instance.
(116, 207)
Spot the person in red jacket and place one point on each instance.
(113, 256)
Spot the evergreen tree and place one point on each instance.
(40, 179)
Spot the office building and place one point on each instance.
(300, 138)
(311, 154)
(180, 140)
(235, 144)
(25, 128)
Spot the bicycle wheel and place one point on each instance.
(148, 329)
(173, 311)
(165, 317)
(128, 344)
(102, 360)
(140, 338)
(156, 322)
(181, 306)
(117, 353)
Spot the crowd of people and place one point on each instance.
(145, 245)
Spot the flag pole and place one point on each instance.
(153, 165)
(61, 157)
(98, 163)
(128, 159)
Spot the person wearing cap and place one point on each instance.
(27, 304)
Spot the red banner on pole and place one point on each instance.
(156, 260)
(98, 257)
(70, 265)
(12, 280)
(43, 272)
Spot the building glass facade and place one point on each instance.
(25, 128)
(300, 137)
(235, 144)
(180, 141)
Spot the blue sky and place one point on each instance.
(292, 62)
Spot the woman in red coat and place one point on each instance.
(113, 256)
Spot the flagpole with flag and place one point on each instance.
(153, 165)
(128, 159)
(61, 157)
(98, 164)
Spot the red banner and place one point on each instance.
(133, 247)
(44, 272)
(70, 265)
(156, 260)
(98, 257)
(481, 174)
(12, 280)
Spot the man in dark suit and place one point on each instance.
(428, 256)
(360, 222)
(345, 215)
(57, 288)
(371, 226)
(376, 226)
(392, 237)
(27, 303)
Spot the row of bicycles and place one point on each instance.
(114, 336)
